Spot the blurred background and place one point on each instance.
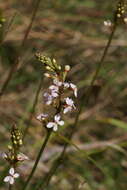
(73, 33)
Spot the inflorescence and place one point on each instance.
(13, 156)
(55, 95)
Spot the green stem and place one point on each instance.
(31, 22)
(38, 158)
(86, 96)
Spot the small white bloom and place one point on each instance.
(48, 98)
(42, 116)
(4, 155)
(69, 105)
(53, 87)
(22, 157)
(107, 23)
(52, 125)
(57, 82)
(74, 88)
(70, 102)
(54, 94)
(67, 109)
(11, 178)
(66, 85)
(56, 122)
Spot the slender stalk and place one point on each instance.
(38, 158)
(14, 66)
(31, 22)
(10, 187)
(33, 108)
(85, 97)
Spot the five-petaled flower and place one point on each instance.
(11, 178)
(69, 105)
(56, 122)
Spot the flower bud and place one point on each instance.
(47, 75)
(59, 67)
(67, 68)
(54, 61)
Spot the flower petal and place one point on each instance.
(57, 118)
(66, 85)
(11, 171)
(54, 94)
(61, 123)
(51, 124)
(16, 175)
(53, 87)
(67, 109)
(22, 157)
(69, 101)
(55, 128)
(73, 86)
(11, 180)
(7, 178)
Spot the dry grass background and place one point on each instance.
(73, 33)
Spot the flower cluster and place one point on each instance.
(13, 156)
(55, 95)
(121, 12)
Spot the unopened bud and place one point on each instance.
(54, 61)
(67, 68)
(107, 23)
(48, 68)
(59, 67)
(125, 20)
(47, 75)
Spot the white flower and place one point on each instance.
(53, 87)
(71, 86)
(74, 88)
(107, 23)
(11, 178)
(57, 82)
(22, 157)
(69, 105)
(48, 98)
(66, 85)
(4, 155)
(56, 122)
(54, 94)
(42, 116)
